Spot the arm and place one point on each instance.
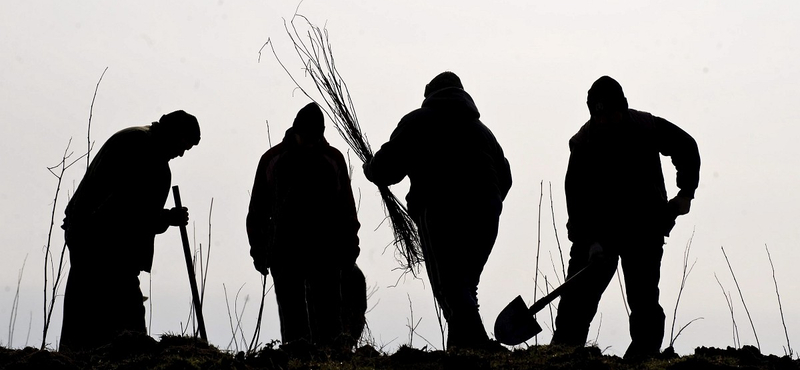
(580, 227)
(682, 149)
(503, 174)
(389, 165)
(259, 217)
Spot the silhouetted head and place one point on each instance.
(309, 125)
(442, 81)
(606, 96)
(178, 132)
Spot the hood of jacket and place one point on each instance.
(452, 99)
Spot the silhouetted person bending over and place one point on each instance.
(459, 179)
(303, 228)
(110, 226)
(618, 210)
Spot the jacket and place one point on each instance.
(449, 155)
(614, 183)
(302, 211)
(118, 208)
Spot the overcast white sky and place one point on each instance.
(724, 71)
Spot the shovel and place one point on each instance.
(515, 323)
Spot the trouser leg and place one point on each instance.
(354, 304)
(456, 246)
(641, 266)
(99, 304)
(292, 308)
(323, 294)
(578, 304)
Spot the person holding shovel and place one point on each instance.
(110, 226)
(459, 179)
(619, 211)
(303, 228)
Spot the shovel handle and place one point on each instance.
(544, 301)
(198, 309)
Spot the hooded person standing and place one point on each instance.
(110, 227)
(303, 228)
(619, 210)
(459, 178)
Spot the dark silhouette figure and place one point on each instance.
(303, 228)
(110, 226)
(354, 305)
(459, 179)
(618, 210)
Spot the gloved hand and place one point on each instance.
(261, 267)
(260, 261)
(596, 252)
(681, 204)
(178, 216)
(367, 172)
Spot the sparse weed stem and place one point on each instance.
(622, 292)
(538, 244)
(12, 322)
(555, 232)
(744, 304)
(684, 276)
(735, 328)
(788, 350)
(58, 171)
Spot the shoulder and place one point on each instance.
(416, 117)
(580, 137)
(131, 135)
(272, 154)
(641, 118)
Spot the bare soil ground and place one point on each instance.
(174, 352)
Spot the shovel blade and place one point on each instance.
(515, 324)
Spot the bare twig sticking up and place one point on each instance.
(555, 231)
(736, 341)
(48, 257)
(788, 350)
(538, 244)
(89, 143)
(314, 50)
(686, 271)
(758, 344)
(12, 322)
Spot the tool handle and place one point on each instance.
(544, 301)
(198, 309)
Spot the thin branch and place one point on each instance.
(440, 320)
(622, 291)
(555, 231)
(257, 332)
(758, 344)
(150, 303)
(48, 258)
(89, 126)
(204, 272)
(728, 300)
(684, 276)
(230, 320)
(269, 136)
(780, 306)
(12, 323)
(681, 329)
(316, 55)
